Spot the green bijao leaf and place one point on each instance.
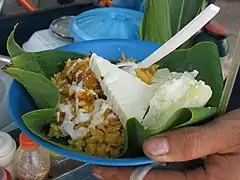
(46, 96)
(137, 134)
(154, 28)
(204, 58)
(164, 18)
(46, 63)
(44, 93)
(182, 12)
(36, 121)
(13, 48)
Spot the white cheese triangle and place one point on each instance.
(127, 94)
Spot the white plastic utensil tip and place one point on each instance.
(182, 36)
(4, 60)
(140, 172)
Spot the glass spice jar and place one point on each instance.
(31, 162)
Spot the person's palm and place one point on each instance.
(218, 140)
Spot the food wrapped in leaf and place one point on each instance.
(90, 105)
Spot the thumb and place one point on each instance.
(220, 136)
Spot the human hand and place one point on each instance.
(218, 140)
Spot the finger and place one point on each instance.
(198, 174)
(109, 173)
(112, 173)
(220, 136)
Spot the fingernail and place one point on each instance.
(157, 146)
(99, 177)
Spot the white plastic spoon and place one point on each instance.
(182, 36)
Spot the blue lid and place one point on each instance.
(106, 23)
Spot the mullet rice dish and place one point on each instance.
(88, 104)
(88, 119)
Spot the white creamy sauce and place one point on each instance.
(66, 108)
(69, 122)
(82, 116)
(58, 116)
(76, 88)
(100, 106)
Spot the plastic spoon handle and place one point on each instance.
(182, 36)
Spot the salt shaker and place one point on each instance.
(7, 151)
(31, 162)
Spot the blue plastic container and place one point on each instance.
(20, 102)
(106, 23)
(138, 5)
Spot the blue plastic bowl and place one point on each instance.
(20, 102)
